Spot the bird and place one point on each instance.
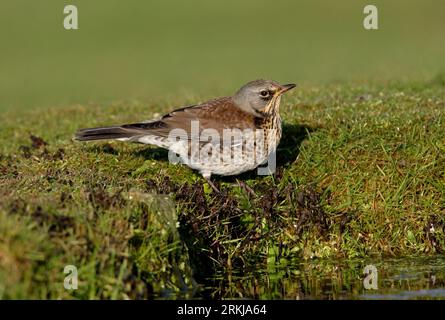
(224, 136)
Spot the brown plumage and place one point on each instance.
(217, 114)
(254, 107)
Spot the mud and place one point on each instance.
(37, 142)
(38, 149)
(101, 199)
(56, 223)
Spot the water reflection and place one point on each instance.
(397, 278)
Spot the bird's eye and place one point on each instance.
(264, 93)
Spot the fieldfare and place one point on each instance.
(225, 136)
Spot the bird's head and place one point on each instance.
(260, 97)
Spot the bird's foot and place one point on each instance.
(246, 187)
(212, 185)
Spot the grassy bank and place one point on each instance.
(361, 171)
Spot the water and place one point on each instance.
(397, 278)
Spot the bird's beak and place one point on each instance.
(287, 87)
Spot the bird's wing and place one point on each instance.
(190, 122)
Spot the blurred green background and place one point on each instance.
(146, 50)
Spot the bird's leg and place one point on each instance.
(207, 177)
(246, 187)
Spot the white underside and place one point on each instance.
(179, 153)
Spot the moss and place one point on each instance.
(360, 172)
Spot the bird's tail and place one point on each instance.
(125, 132)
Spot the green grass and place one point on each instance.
(360, 167)
(149, 49)
(361, 171)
